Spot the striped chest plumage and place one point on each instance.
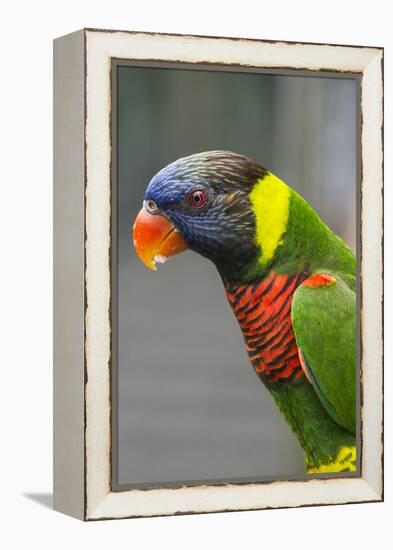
(263, 310)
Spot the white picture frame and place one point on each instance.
(82, 334)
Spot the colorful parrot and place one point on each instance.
(290, 281)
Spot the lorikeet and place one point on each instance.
(290, 281)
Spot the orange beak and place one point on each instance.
(155, 239)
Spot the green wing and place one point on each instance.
(324, 323)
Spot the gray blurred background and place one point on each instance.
(190, 406)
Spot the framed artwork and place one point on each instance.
(247, 372)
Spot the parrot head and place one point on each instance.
(202, 202)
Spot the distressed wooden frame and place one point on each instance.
(82, 240)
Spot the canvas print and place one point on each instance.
(246, 182)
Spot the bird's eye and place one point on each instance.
(150, 206)
(197, 199)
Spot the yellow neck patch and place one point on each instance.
(345, 461)
(270, 204)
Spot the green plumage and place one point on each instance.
(322, 410)
(324, 324)
(319, 435)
